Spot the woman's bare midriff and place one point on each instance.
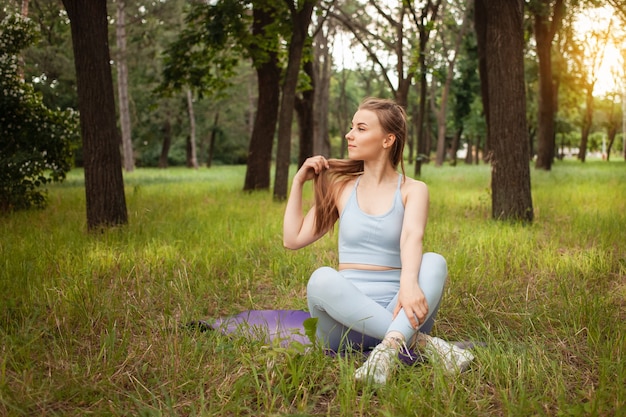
(365, 267)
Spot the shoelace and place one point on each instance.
(402, 346)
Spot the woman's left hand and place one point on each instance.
(414, 304)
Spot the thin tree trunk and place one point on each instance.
(590, 82)
(251, 106)
(421, 116)
(469, 156)
(322, 74)
(545, 30)
(342, 111)
(167, 142)
(412, 132)
(424, 35)
(480, 26)
(441, 126)
(587, 120)
(304, 109)
(441, 114)
(20, 59)
(455, 145)
(624, 122)
(545, 117)
(214, 130)
(192, 159)
(122, 87)
(611, 133)
(404, 80)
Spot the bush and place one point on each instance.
(35, 141)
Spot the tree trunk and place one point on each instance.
(597, 55)
(587, 120)
(441, 114)
(20, 59)
(304, 109)
(342, 110)
(262, 140)
(611, 133)
(455, 145)
(544, 35)
(167, 142)
(421, 116)
(469, 156)
(624, 121)
(480, 26)
(412, 131)
(104, 184)
(300, 23)
(122, 87)
(424, 35)
(252, 102)
(322, 73)
(500, 22)
(192, 159)
(214, 130)
(405, 78)
(265, 62)
(545, 116)
(441, 127)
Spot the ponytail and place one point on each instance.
(327, 186)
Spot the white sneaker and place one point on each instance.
(378, 365)
(453, 358)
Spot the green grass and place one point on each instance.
(91, 324)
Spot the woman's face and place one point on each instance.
(366, 137)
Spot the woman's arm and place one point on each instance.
(299, 230)
(411, 298)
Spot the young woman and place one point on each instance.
(385, 292)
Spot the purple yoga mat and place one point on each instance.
(284, 326)
(278, 326)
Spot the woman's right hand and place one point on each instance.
(310, 168)
(299, 230)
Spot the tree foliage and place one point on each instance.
(211, 46)
(207, 50)
(36, 140)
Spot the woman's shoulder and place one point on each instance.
(343, 192)
(412, 188)
(345, 185)
(412, 184)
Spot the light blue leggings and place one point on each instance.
(354, 308)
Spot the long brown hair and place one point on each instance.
(331, 181)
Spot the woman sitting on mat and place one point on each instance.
(385, 292)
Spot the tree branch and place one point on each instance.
(348, 23)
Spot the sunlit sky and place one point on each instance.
(347, 56)
(611, 72)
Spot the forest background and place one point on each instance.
(194, 106)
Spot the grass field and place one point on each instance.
(91, 324)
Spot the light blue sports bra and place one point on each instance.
(368, 239)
